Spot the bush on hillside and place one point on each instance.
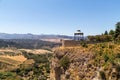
(64, 62)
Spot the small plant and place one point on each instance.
(102, 75)
(64, 62)
(106, 58)
(83, 44)
(117, 55)
(111, 46)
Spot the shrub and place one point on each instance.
(106, 58)
(9, 76)
(118, 55)
(83, 44)
(64, 62)
(102, 75)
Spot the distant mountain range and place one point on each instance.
(33, 36)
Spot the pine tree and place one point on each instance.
(117, 30)
(106, 33)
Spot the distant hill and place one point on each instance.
(32, 36)
(31, 41)
(27, 43)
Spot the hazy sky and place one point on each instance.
(58, 16)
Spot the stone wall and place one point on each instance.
(70, 43)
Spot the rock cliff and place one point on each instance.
(92, 63)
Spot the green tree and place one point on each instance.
(106, 33)
(111, 32)
(117, 30)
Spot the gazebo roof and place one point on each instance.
(78, 33)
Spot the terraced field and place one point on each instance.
(12, 58)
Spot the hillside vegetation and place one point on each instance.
(99, 61)
(112, 35)
(24, 64)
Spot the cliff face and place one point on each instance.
(80, 63)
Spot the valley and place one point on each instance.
(24, 64)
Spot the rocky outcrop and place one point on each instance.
(82, 65)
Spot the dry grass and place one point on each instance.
(9, 61)
(12, 51)
(91, 48)
(20, 58)
(11, 56)
(36, 51)
(52, 40)
(29, 61)
(6, 50)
